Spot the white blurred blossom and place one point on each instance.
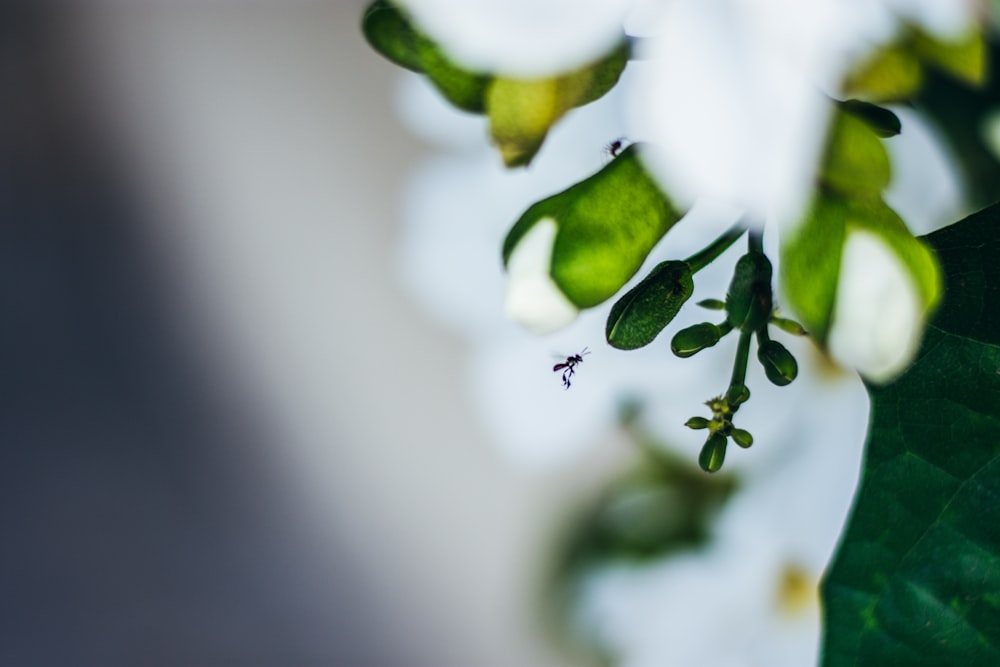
(526, 38)
(879, 314)
(733, 92)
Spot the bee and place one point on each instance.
(568, 367)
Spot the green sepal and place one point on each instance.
(891, 73)
(856, 161)
(390, 32)
(713, 453)
(779, 364)
(895, 72)
(963, 58)
(521, 111)
(642, 313)
(811, 257)
(748, 303)
(607, 225)
(692, 340)
(882, 121)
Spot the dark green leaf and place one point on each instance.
(916, 580)
(642, 313)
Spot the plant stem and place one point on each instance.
(742, 357)
(704, 257)
(755, 241)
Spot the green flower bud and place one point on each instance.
(742, 437)
(391, 32)
(642, 313)
(694, 339)
(749, 300)
(713, 453)
(860, 283)
(712, 304)
(697, 423)
(779, 364)
(788, 326)
(737, 395)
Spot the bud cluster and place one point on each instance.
(749, 309)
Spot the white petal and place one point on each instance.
(733, 94)
(522, 37)
(878, 316)
(532, 298)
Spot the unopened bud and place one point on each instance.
(694, 339)
(737, 395)
(697, 423)
(779, 364)
(713, 453)
(742, 437)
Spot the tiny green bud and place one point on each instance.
(694, 339)
(788, 326)
(712, 304)
(742, 437)
(779, 364)
(737, 395)
(697, 423)
(713, 453)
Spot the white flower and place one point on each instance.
(879, 315)
(525, 38)
(733, 92)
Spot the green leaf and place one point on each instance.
(916, 579)
(642, 313)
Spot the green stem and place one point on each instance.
(742, 357)
(755, 241)
(703, 258)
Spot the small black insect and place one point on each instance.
(568, 367)
(616, 147)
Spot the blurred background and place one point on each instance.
(228, 435)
